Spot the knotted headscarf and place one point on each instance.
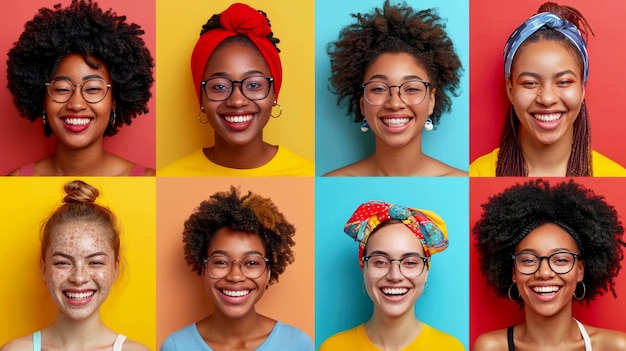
(427, 226)
(536, 22)
(237, 19)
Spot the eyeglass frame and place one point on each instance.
(232, 83)
(82, 93)
(206, 262)
(541, 258)
(426, 260)
(426, 84)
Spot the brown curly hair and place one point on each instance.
(394, 29)
(250, 213)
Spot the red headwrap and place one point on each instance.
(237, 19)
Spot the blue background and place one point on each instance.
(338, 140)
(340, 302)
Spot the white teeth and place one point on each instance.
(238, 119)
(77, 121)
(79, 296)
(545, 289)
(395, 122)
(237, 293)
(395, 291)
(550, 117)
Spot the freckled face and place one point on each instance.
(76, 123)
(546, 90)
(79, 268)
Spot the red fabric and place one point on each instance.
(237, 19)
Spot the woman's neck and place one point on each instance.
(74, 334)
(91, 160)
(393, 332)
(399, 161)
(551, 330)
(546, 160)
(222, 332)
(248, 156)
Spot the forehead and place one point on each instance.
(547, 238)
(396, 66)
(79, 237)
(235, 243)
(235, 59)
(394, 239)
(547, 54)
(76, 67)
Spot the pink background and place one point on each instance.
(491, 23)
(22, 141)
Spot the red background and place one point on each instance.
(487, 312)
(491, 23)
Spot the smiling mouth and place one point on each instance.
(235, 293)
(78, 296)
(395, 122)
(547, 117)
(238, 119)
(546, 290)
(394, 291)
(77, 121)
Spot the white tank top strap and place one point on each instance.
(117, 345)
(585, 335)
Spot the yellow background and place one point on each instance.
(178, 27)
(24, 301)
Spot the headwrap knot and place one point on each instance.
(238, 19)
(427, 226)
(535, 23)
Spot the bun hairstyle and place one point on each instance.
(79, 206)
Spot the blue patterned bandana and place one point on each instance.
(533, 24)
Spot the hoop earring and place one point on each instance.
(584, 292)
(509, 292)
(425, 291)
(200, 118)
(280, 111)
(112, 119)
(428, 126)
(364, 125)
(44, 118)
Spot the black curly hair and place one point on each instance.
(394, 29)
(511, 215)
(214, 23)
(250, 213)
(83, 28)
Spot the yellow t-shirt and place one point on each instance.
(485, 165)
(284, 163)
(429, 338)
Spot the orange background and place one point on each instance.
(181, 299)
(25, 139)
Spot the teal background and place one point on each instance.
(340, 302)
(338, 140)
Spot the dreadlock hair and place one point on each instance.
(511, 160)
(511, 215)
(394, 29)
(86, 29)
(250, 213)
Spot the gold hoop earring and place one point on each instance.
(200, 118)
(584, 292)
(112, 119)
(280, 112)
(509, 292)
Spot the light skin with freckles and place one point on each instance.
(78, 267)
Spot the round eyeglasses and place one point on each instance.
(410, 266)
(93, 90)
(411, 92)
(253, 88)
(559, 262)
(219, 266)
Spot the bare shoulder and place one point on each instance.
(445, 170)
(358, 169)
(491, 341)
(24, 343)
(149, 172)
(132, 345)
(606, 339)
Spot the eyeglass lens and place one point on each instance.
(412, 92)
(253, 88)
(251, 266)
(93, 90)
(410, 266)
(559, 262)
